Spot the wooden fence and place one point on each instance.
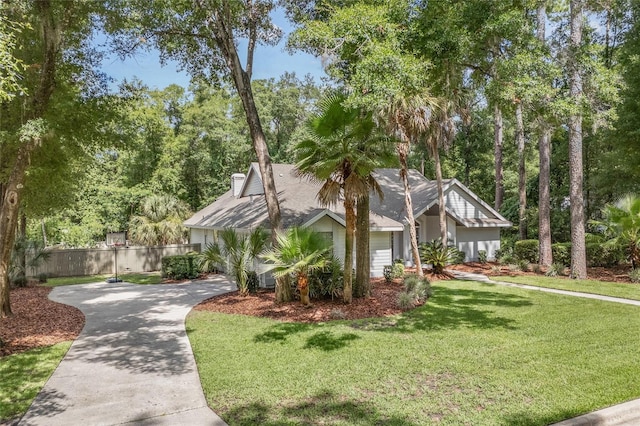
(78, 262)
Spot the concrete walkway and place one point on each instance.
(625, 414)
(132, 363)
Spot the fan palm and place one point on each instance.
(622, 222)
(298, 252)
(237, 254)
(160, 221)
(343, 150)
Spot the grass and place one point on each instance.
(624, 290)
(24, 374)
(474, 354)
(137, 278)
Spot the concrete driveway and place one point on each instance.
(132, 363)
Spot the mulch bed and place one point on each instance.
(37, 321)
(381, 303)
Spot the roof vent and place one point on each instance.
(237, 179)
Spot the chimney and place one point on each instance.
(237, 179)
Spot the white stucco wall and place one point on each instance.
(471, 240)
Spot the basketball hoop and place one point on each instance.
(115, 240)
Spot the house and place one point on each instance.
(472, 224)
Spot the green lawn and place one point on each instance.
(138, 278)
(627, 291)
(23, 375)
(475, 354)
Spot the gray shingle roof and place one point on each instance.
(299, 205)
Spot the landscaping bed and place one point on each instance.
(37, 321)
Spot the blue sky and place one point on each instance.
(269, 61)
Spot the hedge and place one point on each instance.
(561, 253)
(599, 254)
(179, 267)
(526, 250)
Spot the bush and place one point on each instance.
(405, 301)
(526, 250)
(604, 254)
(561, 253)
(482, 256)
(253, 282)
(523, 265)
(634, 275)
(536, 268)
(179, 267)
(20, 281)
(419, 288)
(43, 277)
(327, 282)
(397, 271)
(388, 273)
(555, 269)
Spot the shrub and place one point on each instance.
(561, 253)
(526, 250)
(179, 267)
(410, 282)
(634, 275)
(555, 269)
(604, 254)
(419, 288)
(513, 267)
(253, 282)
(536, 268)
(495, 269)
(507, 259)
(19, 281)
(523, 265)
(405, 301)
(388, 273)
(482, 256)
(437, 254)
(43, 277)
(397, 270)
(327, 282)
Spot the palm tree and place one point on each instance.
(409, 119)
(298, 252)
(342, 152)
(622, 223)
(237, 255)
(160, 221)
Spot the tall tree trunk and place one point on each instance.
(363, 262)
(522, 176)
(544, 149)
(578, 254)
(544, 198)
(13, 187)
(242, 82)
(348, 248)
(403, 152)
(442, 215)
(497, 152)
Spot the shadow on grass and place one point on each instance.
(451, 308)
(328, 341)
(280, 332)
(323, 408)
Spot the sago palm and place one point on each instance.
(343, 150)
(298, 252)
